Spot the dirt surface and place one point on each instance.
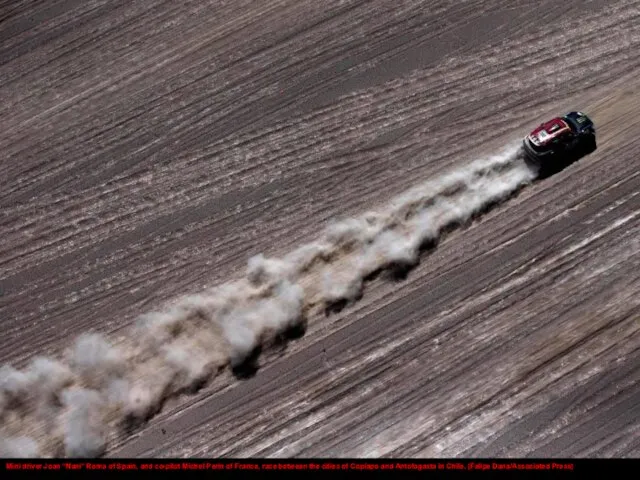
(148, 149)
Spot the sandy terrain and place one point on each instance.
(149, 149)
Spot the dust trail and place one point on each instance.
(72, 406)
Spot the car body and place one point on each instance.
(560, 141)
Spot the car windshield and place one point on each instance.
(576, 122)
(572, 123)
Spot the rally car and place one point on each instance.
(560, 141)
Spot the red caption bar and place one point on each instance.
(289, 465)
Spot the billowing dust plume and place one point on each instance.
(71, 406)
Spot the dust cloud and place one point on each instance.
(70, 406)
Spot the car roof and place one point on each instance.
(554, 125)
(550, 130)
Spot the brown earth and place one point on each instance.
(147, 149)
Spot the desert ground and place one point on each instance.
(149, 150)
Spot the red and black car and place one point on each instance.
(560, 141)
